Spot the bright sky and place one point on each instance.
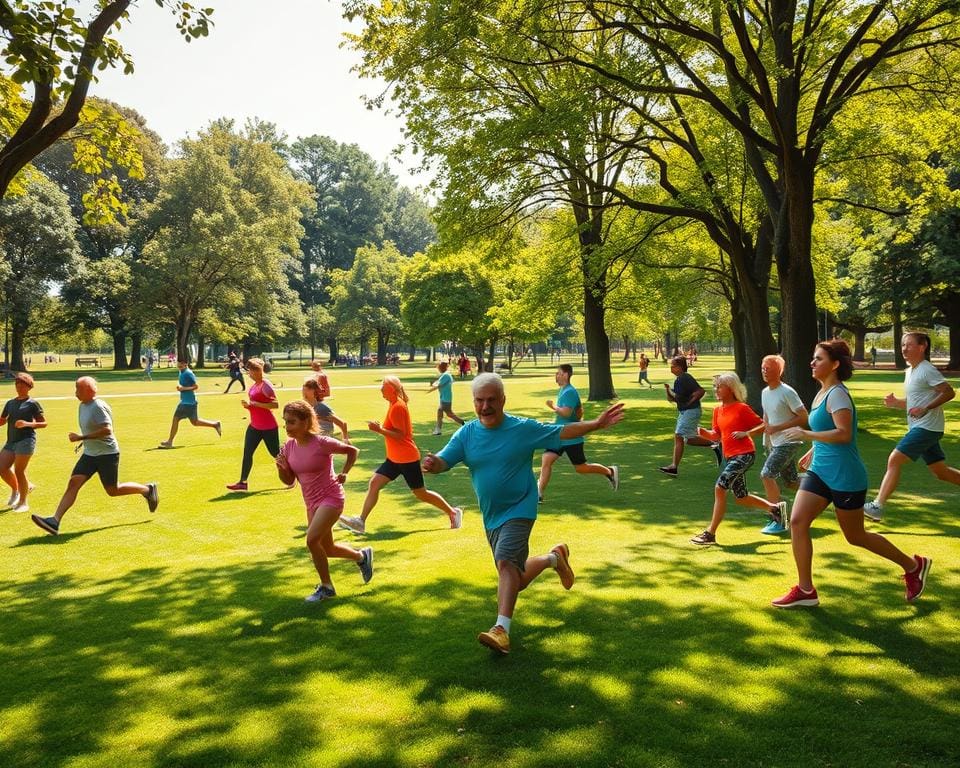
(279, 60)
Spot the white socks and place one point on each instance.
(504, 621)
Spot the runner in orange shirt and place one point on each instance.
(403, 458)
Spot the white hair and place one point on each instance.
(486, 379)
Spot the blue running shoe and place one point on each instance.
(773, 528)
(366, 564)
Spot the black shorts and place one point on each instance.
(107, 466)
(574, 453)
(845, 500)
(410, 470)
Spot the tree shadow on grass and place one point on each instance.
(46, 540)
(229, 667)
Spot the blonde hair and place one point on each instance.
(303, 411)
(731, 380)
(394, 382)
(255, 362)
(781, 363)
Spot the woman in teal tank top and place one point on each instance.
(836, 475)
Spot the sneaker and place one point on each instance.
(50, 524)
(436, 432)
(320, 593)
(614, 477)
(22, 508)
(778, 513)
(873, 511)
(562, 551)
(366, 565)
(14, 499)
(241, 486)
(773, 528)
(291, 486)
(796, 598)
(355, 524)
(917, 580)
(672, 471)
(219, 427)
(153, 497)
(704, 538)
(539, 499)
(496, 639)
(718, 452)
(457, 520)
(165, 445)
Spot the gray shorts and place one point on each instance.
(25, 447)
(511, 542)
(186, 411)
(688, 422)
(782, 463)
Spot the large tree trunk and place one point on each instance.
(949, 306)
(334, 346)
(626, 347)
(200, 344)
(598, 347)
(383, 338)
(493, 352)
(17, 331)
(184, 326)
(119, 350)
(898, 360)
(136, 350)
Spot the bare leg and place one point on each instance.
(7, 459)
(373, 494)
(891, 477)
(174, 426)
(593, 469)
(719, 508)
(851, 523)
(449, 411)
(204, 423)
(74, 484)
(511, 581)
(941, 471)
(755, 502)
(678, 444)
(434, 498)
(20, 469)
(126, 489)
(439, 419)
(546, 470)
(806, 508)
(321, 545)
(771, 488)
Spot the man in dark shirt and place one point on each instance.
(686, 392)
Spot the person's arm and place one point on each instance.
(332, 418)
(671, 396)
(748, 416)
(608, 418)
(351, 452)
(714, 432)
(945, 394)
(799, 420)
(283, 469)
(39, 422)
(103, 430)
(892, 401)
(433, 465)
(561, 410)
(841, 433)
(697, 395)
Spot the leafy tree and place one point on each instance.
(410, 225)
(48, 46)
(39, 251)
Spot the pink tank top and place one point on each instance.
(262, 418)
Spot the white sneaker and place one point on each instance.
(614, 477)
(22, 508)
(457, 519)
(873, 511)
(354, 524)
(14, 499)
(436, 432)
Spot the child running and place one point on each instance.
(403, 458)
(325, 415)
(23, 417)
(308, 457)
(444, 383)
(732, 420)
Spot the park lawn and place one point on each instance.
(182, 639)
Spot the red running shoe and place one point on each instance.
(796, 598)
(917, 580)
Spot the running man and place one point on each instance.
(235, 370)
(187, 408)
(498, 449)
(101, 456)
(926, 391)
(782, 409)
(569, 410)
(444, 384)
(686, 392)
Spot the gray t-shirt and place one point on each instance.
(920, 384)
(323, 416)
(779, 405)
(93, 416)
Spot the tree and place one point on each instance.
(227, 222)
(39, 250)
(57, 53)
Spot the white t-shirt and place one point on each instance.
(919, 383)
(779, 405)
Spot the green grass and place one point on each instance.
(182, 638)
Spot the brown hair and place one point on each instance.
(839, 351)
(442, 366)
(680, 361)
(24, 378)
(920, 338)
(303, 411)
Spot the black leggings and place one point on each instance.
(253, 438)
(237, 377)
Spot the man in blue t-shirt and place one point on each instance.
(444, 383)
(569, 411)
(498, 449)
(187, 407)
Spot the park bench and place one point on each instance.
(82, 361)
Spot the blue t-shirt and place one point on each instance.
(501, 464)
(445, 387)
(188, 379)
(568, 398)
(838, 464)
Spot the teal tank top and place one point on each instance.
(838, 464)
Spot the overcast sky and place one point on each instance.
(279, 60)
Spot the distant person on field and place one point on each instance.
(187, 408)
(235, 371)
(23, 416)
(498, 449)
(326, 418)
(686, 392)
(322, 379)
(101, 456)
(444, 385)
(926, 392)
(643, 364)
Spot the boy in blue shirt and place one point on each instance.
(187, 407)
(444, 383)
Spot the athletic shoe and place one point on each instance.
(496, 639)
(165, 445)
(614, 477)
(366, 564)
(539, 499)
(241, 486)
(705, 538)
(873, 511)
(292, 485)
(773, 528)
(14, 499)
(778, 513)
(355, 524)
(917, 580)
(436, 432)
(22, 508)
(219, 427)
(672, 471)
(321, 593)
(718, 452)
(797, 598)
(153, 497)
(564, 571)
(457, 520)
(50, 524)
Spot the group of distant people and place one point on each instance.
(498, 449)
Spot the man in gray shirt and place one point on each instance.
(101, 456)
